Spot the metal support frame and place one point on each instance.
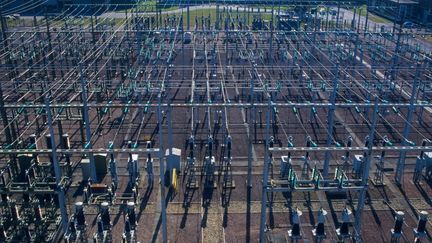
(265, 177)
(58, 176)
(407, 128)
(162, 172)
(330, 118)
(366, 168)
(87, 125)
(85, 105)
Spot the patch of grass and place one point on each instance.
(212, 13)
(427, 38)
(150, 6)
(362, 11)
(378, 19)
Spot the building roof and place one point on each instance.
(405, 1)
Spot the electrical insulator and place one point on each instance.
(127, 228)
(129, 143)
(79, 214)
(421, 226)
(105, 216)
(295, 232)
(319, 230)
(131, 213)
(38, 213)
(72, 228)
(210, 146)
(100, 226)
(148, 146)
(344, 228)
(399, 220)
(14, 212)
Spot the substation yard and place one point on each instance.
(232, 85)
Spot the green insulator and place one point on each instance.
(310, 86)
(20, 110)
(323, 87)
(41, 111)
(314, 110)
(126, 109)
(146, 107)
(106, 108)
(395, 110)
(410, 143)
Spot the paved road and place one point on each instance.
(344, 13)
(348, 15)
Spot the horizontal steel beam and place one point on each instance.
(80, 151)
(340, 149)
(142, 105)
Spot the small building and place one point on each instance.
(418, 11)
(425, 10)
(395, 10)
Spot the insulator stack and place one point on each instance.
(131, 213)
(343, 230)
(295, 232)
(320, 227)
(421, 226)
(399, 220)
(105, 216)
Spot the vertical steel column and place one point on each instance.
(271, 36)
(60, 193)
(265, 176)
(9, 130)
(395, 59)
(217, 16)
(3, 30)
(250, 123)
(87, 126)
(170, 130)
(337, 15)
(407, 128)
(188, 15)
(365, 176)
(354, 18)
(9, 137)
(162, 171)
(366, 29)
(330, 120)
